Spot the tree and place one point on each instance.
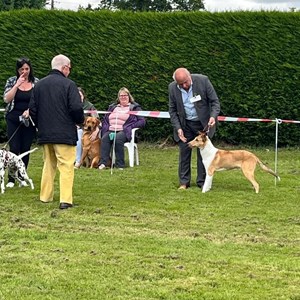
(189, 5)
(151, 5)
(19, 4)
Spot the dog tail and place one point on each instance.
(27, 152)
(268, 170)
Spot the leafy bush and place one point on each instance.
(251, 58)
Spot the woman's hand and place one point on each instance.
(25, 114)
(20, 80)
(94, 135)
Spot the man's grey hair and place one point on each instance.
(59, 61)
(186, 71)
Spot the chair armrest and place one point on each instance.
(133, 134)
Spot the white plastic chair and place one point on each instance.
(132, 150)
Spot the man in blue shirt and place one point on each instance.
(193, 105)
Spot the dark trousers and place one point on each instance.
(21, 141)
(185, 155)
(107, 144)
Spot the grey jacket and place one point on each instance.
(208, 106)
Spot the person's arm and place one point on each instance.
(174, 116)
(88, 106)
(75, 104)
(94, 113)
(173, 111)
(95, 134)
(214, 102)
(10, 90)
(32, 107)
(141, 121)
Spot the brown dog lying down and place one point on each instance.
(90, 156)
(216, 160)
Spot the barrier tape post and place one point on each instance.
(114, 146)
(278, 121)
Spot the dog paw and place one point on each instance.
(23, 183)
(205, 190)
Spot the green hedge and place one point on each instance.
(251, 58)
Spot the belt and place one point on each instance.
(192, 120)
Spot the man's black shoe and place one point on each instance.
(64, 205)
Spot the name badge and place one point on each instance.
(195, 99)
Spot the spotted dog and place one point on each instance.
(216, 160)
(16, 168)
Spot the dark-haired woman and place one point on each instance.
(17, 93)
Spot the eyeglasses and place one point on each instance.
(68, 67)
(122, 96)
(23, 60)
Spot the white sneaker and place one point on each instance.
(77, 165)
(102, 167)
(10, 185)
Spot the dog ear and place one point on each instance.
(97, 122)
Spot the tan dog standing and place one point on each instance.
(90, 149)
(216, 160)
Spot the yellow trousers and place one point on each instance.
(61, 157)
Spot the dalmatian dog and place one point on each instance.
(16, 168)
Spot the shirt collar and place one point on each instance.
(183, 90)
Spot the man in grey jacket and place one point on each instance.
(56, 108)
(193, 105)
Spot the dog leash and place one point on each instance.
(33, 124)
(4, 147)
(206, 128)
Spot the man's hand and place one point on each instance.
(181, 135)
(211, 122)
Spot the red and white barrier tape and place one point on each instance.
(233, 119)
(166, 115)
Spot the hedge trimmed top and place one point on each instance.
(251, 58)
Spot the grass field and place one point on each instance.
(133, 235)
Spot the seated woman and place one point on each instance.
(86, 106)
(118, 126)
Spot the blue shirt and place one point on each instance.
(189, 107)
